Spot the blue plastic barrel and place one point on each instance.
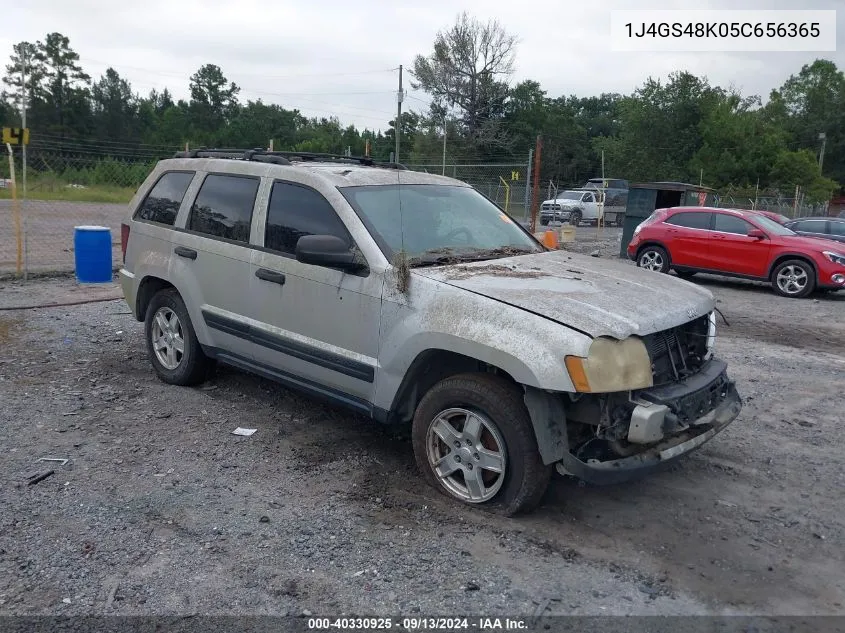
(93, 254)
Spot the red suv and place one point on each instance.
(689, 240)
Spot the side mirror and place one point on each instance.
(757, 234)
(326, 250)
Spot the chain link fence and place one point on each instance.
(63, 190)
(506, 184)
(92, 186)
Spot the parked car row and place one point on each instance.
(745, 244)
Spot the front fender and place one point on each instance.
(437, 316)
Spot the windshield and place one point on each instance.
(437, 221)
(773, 227)
(569, 195)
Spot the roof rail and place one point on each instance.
(257, 155)
(283, 158)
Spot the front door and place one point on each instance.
(731, 250)
(316, 326)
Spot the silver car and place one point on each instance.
(414, 299)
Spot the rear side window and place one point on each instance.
(295, 211)
(691, 220)
(223, 207)
(837, 228)
(164, 199)
(809, 226)
(731, 224)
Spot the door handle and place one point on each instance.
(181, 251)
(271, 276)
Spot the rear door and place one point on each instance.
(212, 259)
(732, 251)
(687, 237)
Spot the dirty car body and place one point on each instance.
(413, 299)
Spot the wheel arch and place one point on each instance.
(653, 242)
(147, 289)
(783, 257)
(428, 368)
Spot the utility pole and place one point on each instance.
(23, 156)
(535, 198)
(444, 146)
(823, 138)
(398, 125)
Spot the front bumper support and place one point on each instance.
(658, 456)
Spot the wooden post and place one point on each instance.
(535, 196)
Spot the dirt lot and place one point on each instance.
(49, 225)
(161, 510)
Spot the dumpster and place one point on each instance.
(644, 198)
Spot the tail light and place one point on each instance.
(124, 239)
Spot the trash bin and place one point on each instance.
(92, 246)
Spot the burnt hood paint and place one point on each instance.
(599, 297)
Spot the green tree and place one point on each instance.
(66, 85)
(468, 71)
(813, 102)
(115, 108)
(214, 102)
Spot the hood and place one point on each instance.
(563, 202)
(598, 297)
(815, 243)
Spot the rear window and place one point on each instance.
(690, 220)
(809, 226)
(163, 201)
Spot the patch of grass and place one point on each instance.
(95, 193)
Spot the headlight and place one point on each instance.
(836, 258)
(611, 365)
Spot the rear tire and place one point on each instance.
(484, 420)
(175, 352)
(794, 278)
(653, 258)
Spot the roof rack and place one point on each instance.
(284, 158)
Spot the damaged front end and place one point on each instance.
(609, 437)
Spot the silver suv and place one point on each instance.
(414, 299)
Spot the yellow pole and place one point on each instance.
(16, 211)
(507, 193)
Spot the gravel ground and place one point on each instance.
(161, 510)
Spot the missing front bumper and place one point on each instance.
(657, 457)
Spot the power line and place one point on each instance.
(246, 74)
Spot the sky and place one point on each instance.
(341, 58)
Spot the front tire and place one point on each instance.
(575, 218)
(175, 352)
(794, 278)
(474, 442)
(654, 258)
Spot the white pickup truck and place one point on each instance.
(573, 206)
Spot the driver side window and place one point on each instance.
(295, 211)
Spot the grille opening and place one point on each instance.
(679, 352)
